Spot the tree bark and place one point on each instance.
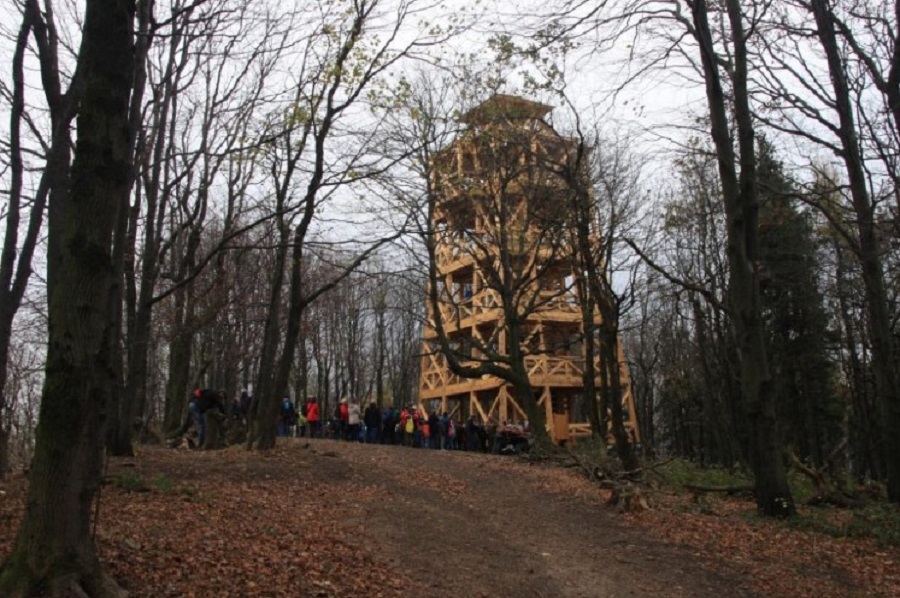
(54, 550)
(609, 346)
(179, 364)
(773, 496)
(134, 376)
(264, 408)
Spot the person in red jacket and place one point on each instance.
(344, 417)
(312, 417)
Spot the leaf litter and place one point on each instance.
(294, 522)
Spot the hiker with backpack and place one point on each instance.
(287, 418)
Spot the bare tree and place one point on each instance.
(204, 80)
(603, 182)
(845, 104)
(330, 84)
(54, 549)
(869, 249)
(16, 257)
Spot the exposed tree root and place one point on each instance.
(827, 492)
(628, 489)
(16, 583)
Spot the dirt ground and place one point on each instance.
(324, 518)
(467, 525)
(492, 527)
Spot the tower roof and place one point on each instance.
(502, 107)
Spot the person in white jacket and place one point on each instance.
(353, 421)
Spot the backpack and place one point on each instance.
(287, 412)
(287, 407)
(410, 425)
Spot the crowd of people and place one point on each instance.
(406, 426)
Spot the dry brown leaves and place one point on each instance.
(234, 524)
(293, 522)
(774, 559)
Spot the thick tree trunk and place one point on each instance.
(54, 550)
(179, 366)
(581, 207)
(137, 312)
(609, 342)
(773, 496)
(5, 340)
(537, 418)
(261, 433)
(292, 332)
(589, 378)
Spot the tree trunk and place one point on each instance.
(179, 365)
(866, 455)
(261, 433)
(297, 304)
(54, 549)
(609, 345)
(581, 207)
(537, 418)
(4, 449)
(5, 340)
(589, 378)
(138, 311)
(773, 496)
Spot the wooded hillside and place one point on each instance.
(239, 196)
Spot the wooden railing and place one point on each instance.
(542, 368)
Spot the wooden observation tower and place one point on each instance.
(503, 224)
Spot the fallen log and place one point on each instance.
(729, 490)
(836, 499)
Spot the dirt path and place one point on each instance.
(327, 519)
(480, 525)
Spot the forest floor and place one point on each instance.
(324, 518)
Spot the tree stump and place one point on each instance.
(215, 438)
